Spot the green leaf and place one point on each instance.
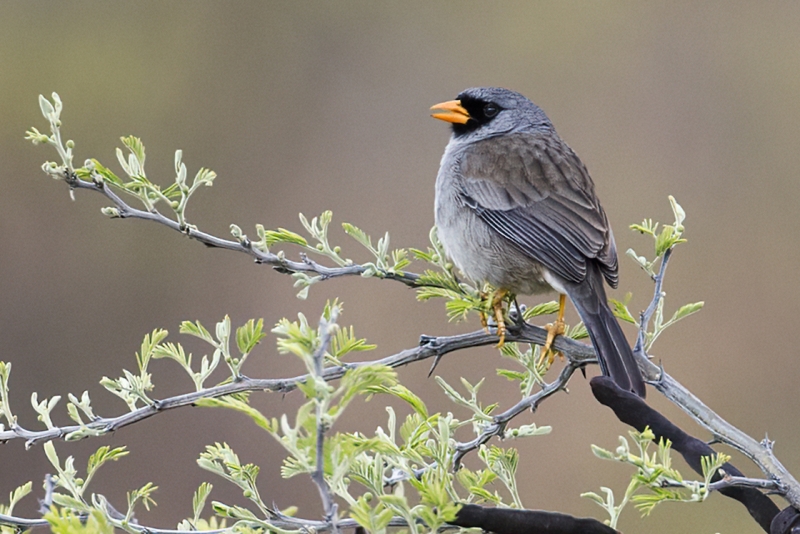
(65, 521)
(240, 406)
(47, 108)
(101, 456)
(70, 502)
(106, 173)
(282, 235)
(345, 342)
(686, 310)
(458, 308)
(621, 311)
(545, 308)
(249, 335)
(578, 331)
(485, 495)
(143, 494)
(427, 293)
(647, 227)
(14, 497)
(149, 344)
(204, 177)
(50, 453)
(594, 497)
(198, 330)
(441, 279)
(511, 375)
(602, 453)
(677, 210)
(358, 234)
(199, 500)
(134, 144)
(405, 394)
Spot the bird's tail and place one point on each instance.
(613, 351)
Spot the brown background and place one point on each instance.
(302, 107)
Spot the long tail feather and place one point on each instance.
(613, 351)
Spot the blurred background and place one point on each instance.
(308, 106)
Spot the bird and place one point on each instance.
(516, 208)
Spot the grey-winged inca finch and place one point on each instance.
(516, 208)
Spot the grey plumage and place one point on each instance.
(516, 207)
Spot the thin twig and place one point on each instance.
(721, 430)
(645, 316)
(431, 347)
(499, 422)
(746, 482)
(278, 261)
(309, 524)
(318, 476)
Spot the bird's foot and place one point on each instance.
(553, 329)
(497, 309)
(557, 328)
(484, 317)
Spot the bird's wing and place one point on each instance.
(535, 192)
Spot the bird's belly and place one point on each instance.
(482, 255)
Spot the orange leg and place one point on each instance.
(553, 330)
(497, 307)
(484, 318)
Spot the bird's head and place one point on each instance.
(483, 112)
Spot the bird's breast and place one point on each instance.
(480, 253)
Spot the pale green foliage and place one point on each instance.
(533, 366)
(174, 197)
(654, 474)
(5, 407)
(402, 473)
(387, 464)
(71, 498)
(462, 298)
(665, 240)
(669, 236)
(133, 388)
(13, 498)
(66, 521)
(247, 337)
(386, 262)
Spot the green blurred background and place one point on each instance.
(302, 107)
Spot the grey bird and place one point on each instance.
(515, 207)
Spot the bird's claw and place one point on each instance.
(557, 328)
(553, 329)
(497, 308)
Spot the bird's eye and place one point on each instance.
(490, 110)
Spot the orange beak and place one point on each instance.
(451, 111)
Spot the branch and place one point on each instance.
(729, 481)
(646, 315)
(430, 347)
(278, 261)
(499, 422)
(312, 525)
(318, 476)
(633, 411)
(760, 453)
